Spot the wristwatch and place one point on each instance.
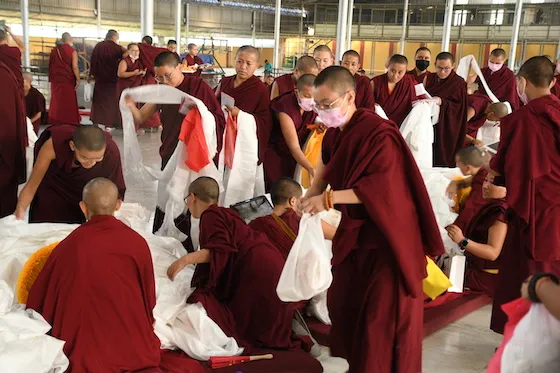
(463, 244)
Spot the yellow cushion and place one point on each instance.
(31, 270)
(437, 282)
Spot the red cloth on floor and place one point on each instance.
(375, 260)
(285, 83)
(238, 286)
(13, 141)
(97, 290)
(63, 108)
(35, 103)
(529, 159)
(364, 93)
(104, 63)
(252, 97)
(60, 192)
(449, 133)
(503, 85)
(279, 162)
(398, 103)
(192, 134)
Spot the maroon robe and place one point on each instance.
(285, 83)
(105, 60)
(396, 104)
(529, 159)
(449, 133)
(148, 54)
(502, 84)
(555, 90)
(97, 290)
(479, 102)
(377, 262)
(11, 57)
(364, 93)
(476, 278)
(172, 121)
(419, 78)
(13, 140)
(252, 97)
(474, 202)
(136, 81)
(276, 235)
(279, 162)
(63, 108)
(196, 60)
(35, 103)
(60, 191)
(238, 286)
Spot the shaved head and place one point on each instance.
(206, 189)
(470, 156)
(322, 48)
(307, 65)
(306, 80)
(249, 49)
(148, 40)
(88, 137)
(3, 34)
(549, 57)
(66, 37)
(191, 46)
(444, 56)
(171, 42)
(351, 53)
(167, 58)
(499, 52)
(538, 70)
(499, 109)
(283, 190)
(111, 34)
(101, 197)
(27, 76)
(337, 78)
(423, 49)
(398, 58)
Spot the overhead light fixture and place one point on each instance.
(264, 8)
(310, 31)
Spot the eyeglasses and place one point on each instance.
(164, 78)
(317, 107)
(187, 197)
(446, 69)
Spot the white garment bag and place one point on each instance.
(307, 271)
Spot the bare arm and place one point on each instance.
(44, 158)
(319, 185)
(290, 135)
(122, 73)
(491, 250)
(275, 92)
(75, 68)
(470, 113)
(549, 294)
(17, 39)
(143, 114)
(328, 230)
(200, 256)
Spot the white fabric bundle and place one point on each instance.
(24, 345)
(29, 151)
(88, 92)
(379, 111)
(464, 68)
(178, 324)
(245, 179)
(307, 271)
(533, 348)
(418, 132)
(176, 176)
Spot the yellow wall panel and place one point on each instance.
(355, 45)
(477, 50)
(381, 56)
(532, 50)
(367, 57)
(409, 52)
(550, 49)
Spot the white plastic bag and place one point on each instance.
(534, 347)
(307, 271)
(88, 92)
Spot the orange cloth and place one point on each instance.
(461, 197)
(192, 134)
(31, 270)
(229, 143)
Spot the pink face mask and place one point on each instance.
(495, 66)
(333, 118)
(522, 95)
(558, 67)
(306, 103)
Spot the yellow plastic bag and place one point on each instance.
(312, 153)
(436, 283)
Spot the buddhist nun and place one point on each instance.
(351, 60)
(287, 82)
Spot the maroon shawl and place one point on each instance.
(479, 102)
(398, 103)
(502, 84)
(450, 132)
(474, 202)
(285, 83)
(364, 93)
(273, 230)
(196, 60)
(418, 78)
